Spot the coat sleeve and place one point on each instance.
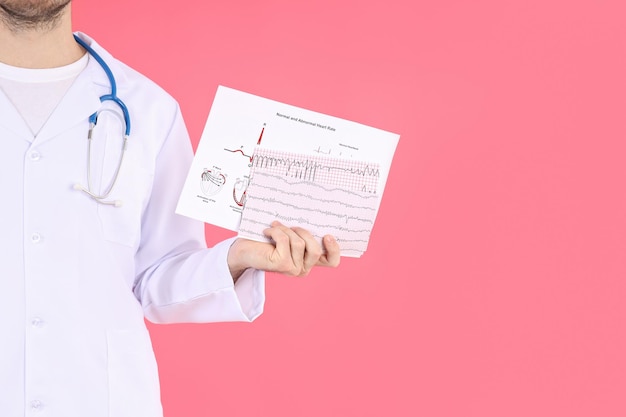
(179, 279)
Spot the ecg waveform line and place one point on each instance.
(308, 168)
(351, 174)
(258, 142)
(240, 152)
(279, 201)
(276, 190)
(292, 183)
(301, 219)
(319, 226)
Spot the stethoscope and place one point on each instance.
(93, 120)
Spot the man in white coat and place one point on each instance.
(78, 277)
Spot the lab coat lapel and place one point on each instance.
(81, 100)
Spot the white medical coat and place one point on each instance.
(77, 278)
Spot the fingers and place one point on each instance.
(290, 249)
(332, 256)
(298, 251)
(313, 250)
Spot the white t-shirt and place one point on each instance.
(35, 93)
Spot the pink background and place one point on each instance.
(494, 284)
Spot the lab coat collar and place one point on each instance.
(82, 98)
(99, 77)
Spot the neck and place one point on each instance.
(48, 47)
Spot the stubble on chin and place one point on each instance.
(29, 15)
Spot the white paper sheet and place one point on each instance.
(238, 122)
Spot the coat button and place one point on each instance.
(35, 238)
(35, 156)
(37, 322)
(36, 405)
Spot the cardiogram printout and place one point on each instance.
(260, 160)
(324, 195)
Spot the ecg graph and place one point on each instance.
(343, 173)
(321, 194)
(241, 149)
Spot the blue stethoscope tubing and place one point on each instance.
(113, 96)
(93, 120)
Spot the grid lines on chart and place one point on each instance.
(344, 173)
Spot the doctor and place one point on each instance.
(78, 275)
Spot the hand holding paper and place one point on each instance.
(294, 252)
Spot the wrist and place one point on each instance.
(235, 260)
